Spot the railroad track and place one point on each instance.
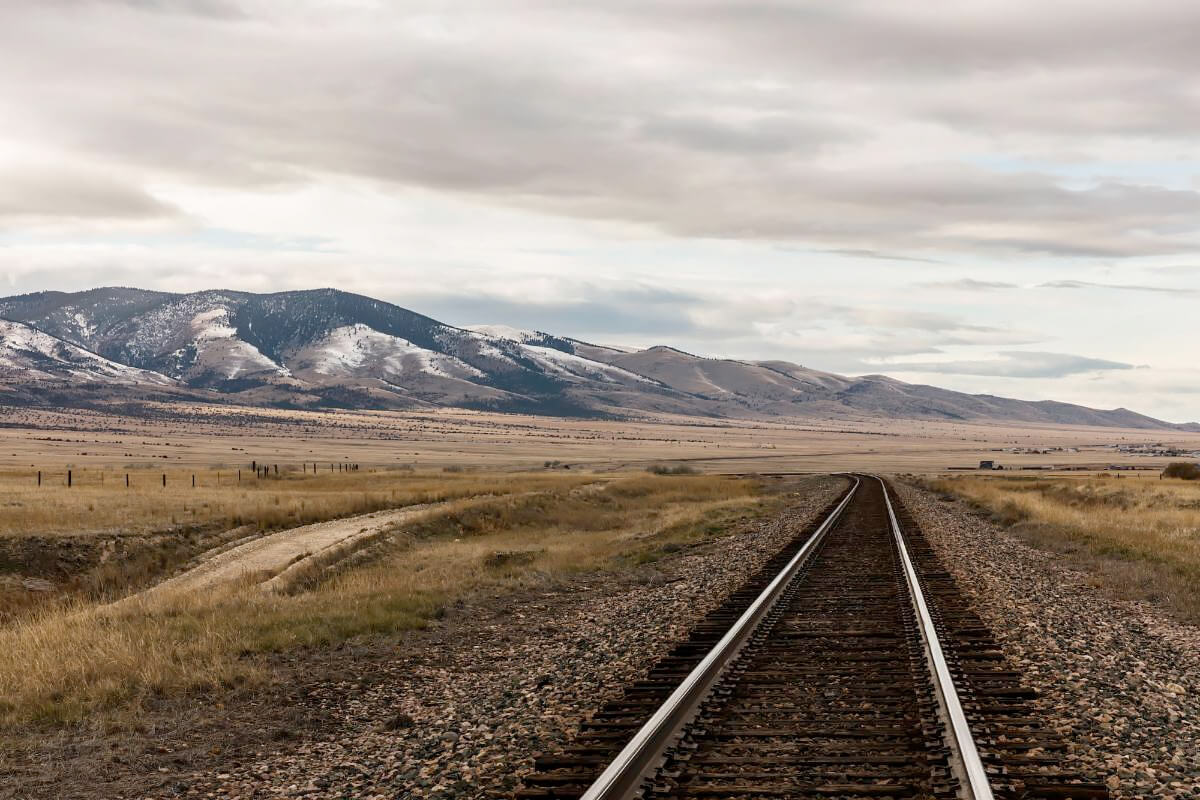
(849, 666)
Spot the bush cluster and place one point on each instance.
(1186, 470)
(678, 469)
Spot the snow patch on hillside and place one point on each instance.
(497, 341)
(357, 349)
(29, 354)
(212, 324)
(84, 325)
(507, 332)
(573, 366)
(539, 338)
(486, 345)
(219, 351)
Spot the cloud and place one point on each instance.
(1178, 269)
(651, 312)
(875, 254)
(200, 8)
(693, 120)
(771, 134)
(1016, 364)
(968, 285)
(1125, 287)
(31, 194)
(776, 178)
(904, 319)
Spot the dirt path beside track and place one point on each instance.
(266, 558)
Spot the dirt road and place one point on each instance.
(266, 558)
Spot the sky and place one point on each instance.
(998, 197)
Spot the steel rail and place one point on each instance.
(641, 757)
(960, 740)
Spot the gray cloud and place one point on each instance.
(768, 135)
(1178, 269)
(1017, 364)
(859, 252)
(200, 8)
(1124, 287)
(29, 194)
(907, 319)
(628, 311)
(832, 336)
(768, 121)
(969, 285)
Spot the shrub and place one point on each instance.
(1185, 470)
(678, 469)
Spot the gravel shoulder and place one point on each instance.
(455, 711)
(1120, 680)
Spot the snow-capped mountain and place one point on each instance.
(28, 354)
(330, 348)
(315, 347)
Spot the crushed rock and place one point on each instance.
(1119, 680)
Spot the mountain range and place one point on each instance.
(328, 348)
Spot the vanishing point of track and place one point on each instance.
(849, 666)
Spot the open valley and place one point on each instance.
(658, 400)
(306, 603)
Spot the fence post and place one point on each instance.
(126, 480)
(39, 477)
(193, 480)
(68, 479)
(164, 480)
(239, 476)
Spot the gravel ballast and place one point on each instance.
(1119, 680)
(459, 710)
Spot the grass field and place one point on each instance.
(99, 502)
(204, 436)
(1139, 538)
(68, 660)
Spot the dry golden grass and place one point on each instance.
(207, 435)
(1141, 538)
(98, 501)
(64, 662)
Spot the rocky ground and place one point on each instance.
(455, 711)
(1119, 679)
